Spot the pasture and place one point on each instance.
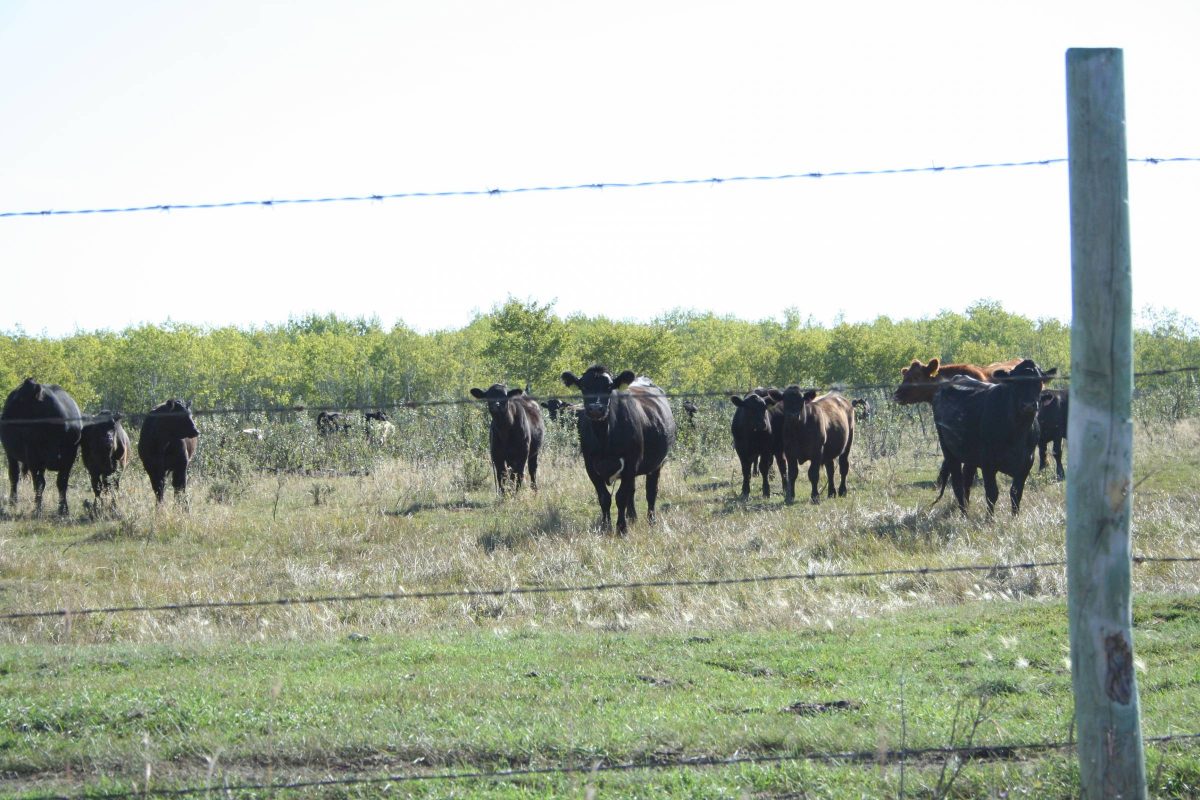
(647, 674)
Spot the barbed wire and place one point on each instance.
(457, 401)
(450, 594)
(985, 752)
(643, 184)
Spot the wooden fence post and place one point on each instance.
(1100, 484)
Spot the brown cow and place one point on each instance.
(105, 449)
(817, 430)
(919, 382)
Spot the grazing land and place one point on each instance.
(647, 674)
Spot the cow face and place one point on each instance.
(1026, 380)
(497, 397)
(795, 402)
(597, 385)
(915, 380)
(754, 410)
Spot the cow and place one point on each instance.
(819, 430)
(1052, 426)
(626, 429)
(378, 426)
(560, 410)
(40, 428)
(167, 443)
(331, 422)
(105, 450)
(990, 426)
(919, 382)
(753, 435)
(515, 434)
(690, 408)
(863, 409)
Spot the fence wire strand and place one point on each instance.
(447, 594)
(572, 187)
(969, 753)
(300, 408)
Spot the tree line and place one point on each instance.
(326, 360)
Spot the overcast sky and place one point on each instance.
(145, 103)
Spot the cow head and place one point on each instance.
(754, 409)
(176, 420)
(497, 397)
(101, 433)
(1025, 380)
(30, 390)
(916, 382)
(597, 385)
(796, 401)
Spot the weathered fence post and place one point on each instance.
(1101, 432)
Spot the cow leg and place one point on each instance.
(501, 472)
(604, 498)
(624, 502)
(39, 486)
(829, 478)
(631, 511)
(1041, 456)
(814, 477)
(518, 474)
(651, 494)
(990, 489)
(789, 480)
(533, 457)
(764, 469)
(64, 479)
(179, 483)
(97, 484)
(1061, 473)
(158, 482)
(958, 482)
(14, 477)
(843, 469)
(747, 461)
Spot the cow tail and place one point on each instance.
(942, 478)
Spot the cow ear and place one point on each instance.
(932, 369)
(733, 398)
(117, 416)
(515, 392)
(544, 404)
(477, 394)
(811, 394)
(775, 394)
(770, 401)
(1050, 373)
(569, 379)
(624, 379)
(1000, 374)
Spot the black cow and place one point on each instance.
(560, 410)
(753, 428)
(331, 422)
(105, 450)
(626, 429)
(990, 426)
(515, 434)
(817, 430)
(40, 428)
(1052, 426)
(690, 408)
(167, 443)
(863, 410)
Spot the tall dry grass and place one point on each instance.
(299, 515)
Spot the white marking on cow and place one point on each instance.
(616, 473)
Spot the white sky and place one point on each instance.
(141, 103)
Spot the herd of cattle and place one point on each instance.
(989, 418)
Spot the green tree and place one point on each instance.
(527, 341)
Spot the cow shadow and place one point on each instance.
(548, 523)
(418, 507)
(925, 525)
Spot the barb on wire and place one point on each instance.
(445, 594)
(992, 752)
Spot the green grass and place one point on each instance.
(392, 704)
(292, 692)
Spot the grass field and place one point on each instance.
(779, 668)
